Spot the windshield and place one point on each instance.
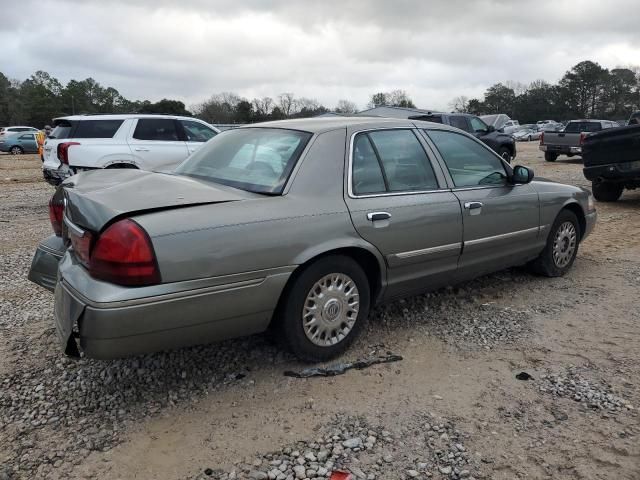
(579, 127)
(254, 159)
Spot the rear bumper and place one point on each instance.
(44, 266)
(561, 149)
(162, 317)
(615, 172)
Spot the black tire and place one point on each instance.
(546, 264)
(16, 150)
(123, 165)
(289, 316)
(607, 191)
(505, 153)
(550, 157)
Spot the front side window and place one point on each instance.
(469, 162)
(158, 129)
(196, 131)
(390, 161)
(254, 159)
(97, 128)
(27, 137)
(478, 125)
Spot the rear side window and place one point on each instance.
(402, 164)
(459, 122)
(159, 129)
(579, 127)
(196, 131)
(97, 128)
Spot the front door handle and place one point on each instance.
(475, 208)
(472, 205)
(141, 149)
(375, 216)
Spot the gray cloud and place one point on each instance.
(328, 50)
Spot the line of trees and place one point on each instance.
(587, 90)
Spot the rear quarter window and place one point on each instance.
(97, 128)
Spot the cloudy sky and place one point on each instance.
(324, 49)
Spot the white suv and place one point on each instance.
(148, 142)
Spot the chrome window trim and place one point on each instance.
(414, 130)
(502, 236)
(428, 251)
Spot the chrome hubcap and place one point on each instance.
(330, 309)
(564, 244)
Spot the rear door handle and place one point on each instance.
(141, 149)
(375, 216)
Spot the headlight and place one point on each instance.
(591, 204)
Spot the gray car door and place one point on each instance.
(399, 202)
(501, 221)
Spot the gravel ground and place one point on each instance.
(429, 447)
(62, 418)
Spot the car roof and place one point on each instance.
(326, 124)
(121, 116)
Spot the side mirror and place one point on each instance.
(521, 174)
(491, 128)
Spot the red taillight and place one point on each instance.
(123, 254)
(541, 138)
(56, 211)
(63, 151)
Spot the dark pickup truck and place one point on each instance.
(612, 161)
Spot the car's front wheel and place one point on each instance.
(505, 153)
(325, 308)
(16, 150)
(562, 246)
(607, 191)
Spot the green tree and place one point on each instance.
(499, 99)
(582, 89)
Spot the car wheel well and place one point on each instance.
(579, 213)
(365, 259)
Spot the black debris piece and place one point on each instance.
(341, 368)
(524, 376)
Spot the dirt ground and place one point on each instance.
(583, 328)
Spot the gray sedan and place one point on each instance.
(300, 225)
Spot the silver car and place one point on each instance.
(300, 225)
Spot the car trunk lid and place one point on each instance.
(95, 198)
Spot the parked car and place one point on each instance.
(501, 143)
(6, 131)
(570, 140)
(504, 145)
(540, 123)
(552, 127)
(323, 220)
(501, 122)
(146, 142)
(612, 161)
(526, 135)
(19, 143)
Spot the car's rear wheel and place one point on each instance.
(505, 153)
(16, 150)
(607, 191)
(550, 157)
(325, 308)
(562, 246)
